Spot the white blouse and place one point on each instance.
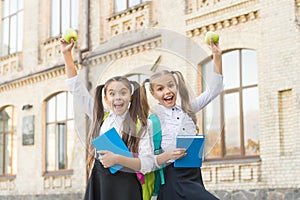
(175, 121)
(86, 101)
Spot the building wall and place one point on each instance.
(269, 27)
(279, 91)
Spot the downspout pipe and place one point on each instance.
(87, 69)
(86, 31)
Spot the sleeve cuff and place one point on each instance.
(155, 162)
(146, 165)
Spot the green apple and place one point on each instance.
(69, 34)
(213, 35)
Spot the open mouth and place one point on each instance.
(118, 106)
(169, 99)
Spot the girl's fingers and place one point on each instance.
(181, 150)
(102, 152)
(211, 43)
(182, 155)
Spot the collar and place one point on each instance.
(112, 114)
(169, 111)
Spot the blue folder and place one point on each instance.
(111, 141)
(194, 149)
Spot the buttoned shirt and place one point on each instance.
(86, 102)
(175, 121)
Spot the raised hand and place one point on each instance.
(214, 47)
(217, 56)
(66, 47)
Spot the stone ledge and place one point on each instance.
(132, 19)
(226, 23)
(70, 196)
(116, 48)
(31, 79)
(268, 193)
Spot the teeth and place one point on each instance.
(118, 105)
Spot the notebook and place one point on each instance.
(194, 149)
(111, 141)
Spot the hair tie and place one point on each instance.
(132, 87)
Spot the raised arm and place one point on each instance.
(66, 49)
(215, 85)
(74, 84)
(217, 56)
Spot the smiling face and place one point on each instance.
(117, 97)
(164, 89)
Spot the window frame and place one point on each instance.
(7, 32)
(57, 26)
(127, 5)
(138, 77)
(12, 132)
(66, 120)
(239, 90)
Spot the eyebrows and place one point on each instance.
(118, 90)
(170, 82)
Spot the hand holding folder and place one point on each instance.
(194, 149)
(111, 141)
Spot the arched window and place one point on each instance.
(59, 132)
(231, 121)
(7, 140)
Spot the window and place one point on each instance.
(121, 5)
(7, 140)
(231, 121)
(64, 14)
(140, 78)
(137, 77)
(12, 26)
(59, 132)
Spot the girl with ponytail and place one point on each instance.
(127, 112)
(181, 183)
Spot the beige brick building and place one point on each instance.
(252, 149)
